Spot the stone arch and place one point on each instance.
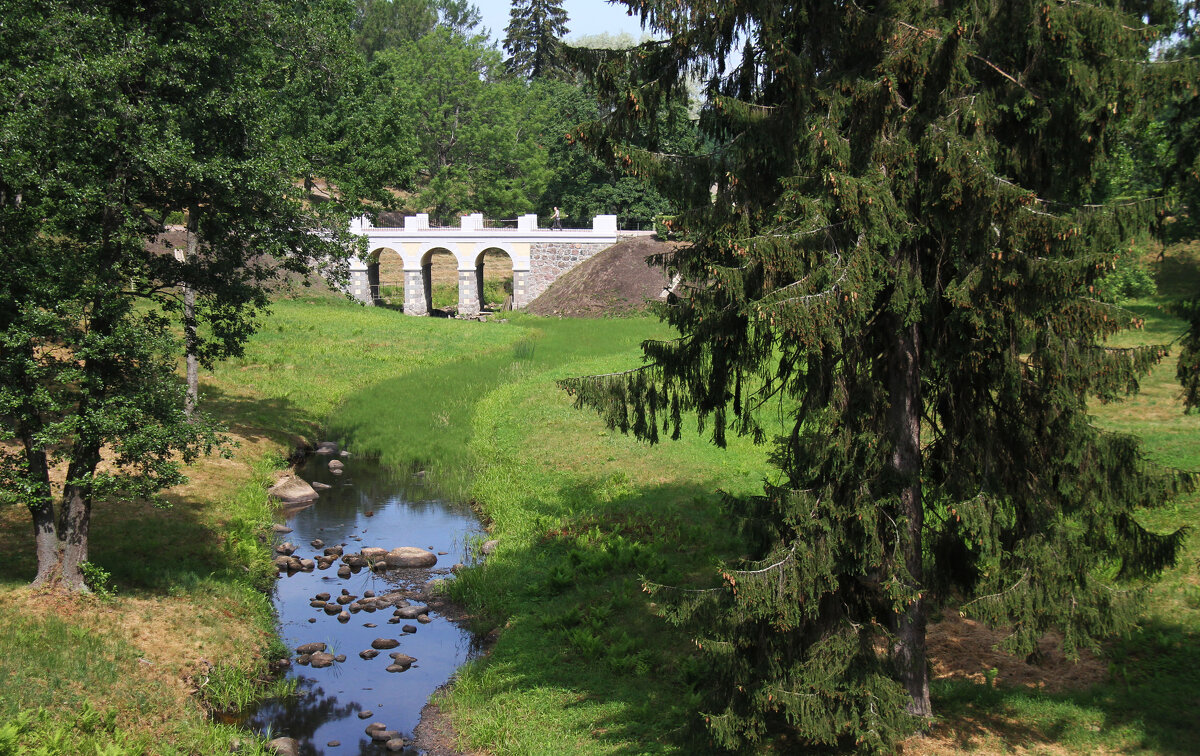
(490, 267)
(385, 274)
(425, 278)
(426, 250)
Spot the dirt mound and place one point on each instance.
(616, 281)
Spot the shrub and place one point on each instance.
(1129, 280)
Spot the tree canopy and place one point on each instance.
(894, 244)
(111, 117)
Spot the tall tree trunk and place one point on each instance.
(191, 344)
(41, 511)
(904, 379)
(74, 519)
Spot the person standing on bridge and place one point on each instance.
(556, 220)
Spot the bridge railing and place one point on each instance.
(601, 224)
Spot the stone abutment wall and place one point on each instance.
(549, 260)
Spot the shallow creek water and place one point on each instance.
(366, 506)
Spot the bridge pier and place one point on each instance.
(520, 289)
(470, 291)
(417, 290)
(360, 286)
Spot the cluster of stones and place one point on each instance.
(380, 733)
(292, 490)
(347, 604)
(372, 558)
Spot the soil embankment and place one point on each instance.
(617, 281)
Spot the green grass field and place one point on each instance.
(582, 662)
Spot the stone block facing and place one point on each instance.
(521, 288)
(360, 287)
(548, 261)
(468, 292)
(414, 293)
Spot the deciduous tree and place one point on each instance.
(108, 117)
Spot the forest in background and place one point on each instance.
(440, 120)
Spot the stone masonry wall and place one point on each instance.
(549, 260)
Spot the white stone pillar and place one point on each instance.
(520, 288)
(416, 301)
(468, 293)
(360, 286)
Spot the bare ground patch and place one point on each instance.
(965, 649)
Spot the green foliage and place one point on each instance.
(582, 185)
(664, 226)
(1188, 367)
(533, 37)
(113, 118)
(1129, 280)
(447, 93)
(97, 580)
(901, 250)
(384, 24)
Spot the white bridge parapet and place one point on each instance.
(539, 255)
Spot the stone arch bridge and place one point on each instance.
(539, 255)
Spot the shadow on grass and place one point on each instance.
(142, 547)
(1149, 703)
(577, 625)
(162, 548)
(578, 621)
(257, 418)
(1178, 272)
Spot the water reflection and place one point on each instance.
(365, 506)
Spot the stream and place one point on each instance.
(366, 506)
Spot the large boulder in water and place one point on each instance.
(284, 747)
(410, 556)
(373, 553)
(292, 490)
(326, 447)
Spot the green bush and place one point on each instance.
(1129, 280)
(665, 227)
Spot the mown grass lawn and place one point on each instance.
(583, 662)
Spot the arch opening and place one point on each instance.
(439, 268)
(494, 279)
(385, 274)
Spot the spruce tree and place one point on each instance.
(1182, 126)
(533, 37)
(893, 246)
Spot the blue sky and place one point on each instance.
(583, 17)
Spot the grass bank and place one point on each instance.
(584, 665)
(180, 626)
